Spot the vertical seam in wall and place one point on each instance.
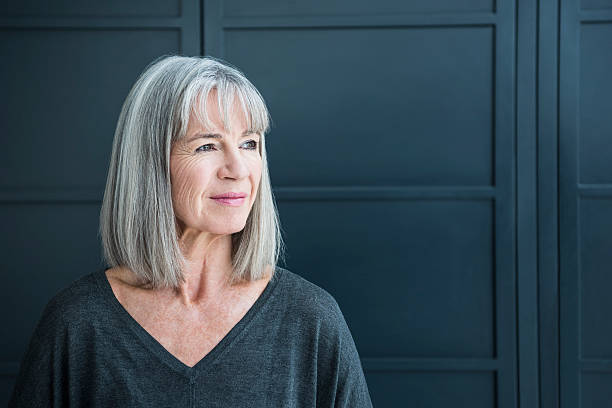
(515, 209)
(557, 236)
(201, 27)
(537, 199)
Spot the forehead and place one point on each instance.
(213, 114)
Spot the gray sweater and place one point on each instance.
(293, 348)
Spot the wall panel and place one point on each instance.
(392, 158)
(376, 97)
(595, 99)
(66, 69)
(418, 274)
(50, 122)
(585, 203)
(423, 389)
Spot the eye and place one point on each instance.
(254, 144)
(199, 149)
(205, 148)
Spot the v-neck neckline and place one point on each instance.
(160, 351)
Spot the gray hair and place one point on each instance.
(138, 227)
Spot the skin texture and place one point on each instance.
(190, 321)
(203, 168)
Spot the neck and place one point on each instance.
(208, 267)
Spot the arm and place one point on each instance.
(343, 383)
(41, 366)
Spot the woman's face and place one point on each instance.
(205, 167)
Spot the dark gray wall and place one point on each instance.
(65, 69)
(585, 202)
(441, 167)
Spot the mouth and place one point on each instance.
(230, 194)
(233, 202)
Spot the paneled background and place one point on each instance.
(392, 158)
(65, 70)
(585, 155)
(425, 156)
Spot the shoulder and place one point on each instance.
(306, 293)
(57, 337)
(308, 302)
(73, 304)
(319, 322)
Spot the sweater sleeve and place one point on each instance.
(342, 382)
(39, 381)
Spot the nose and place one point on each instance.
(234, 165)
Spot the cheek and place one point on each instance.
(189, 185)
(256, 175)
(255, 168)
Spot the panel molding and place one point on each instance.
(526, 206)
(188, 23)
(596, 365)
(595, 190)
(569, 265)
(412, 20)
(388, 364)
(384, 193)
(548, 200)
(98, 22)
(505, 250)
(60, 195)
(95, 194)
(595, 16)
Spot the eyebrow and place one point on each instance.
(216, 135)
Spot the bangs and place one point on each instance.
(253, 108)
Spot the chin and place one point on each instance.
(228, 229)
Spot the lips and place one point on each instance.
(230, 195)
(232, 202)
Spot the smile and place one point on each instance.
(233, 202)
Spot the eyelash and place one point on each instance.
(212, 144)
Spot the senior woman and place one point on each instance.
(192, 309)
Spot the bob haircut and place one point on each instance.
(138, 226)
